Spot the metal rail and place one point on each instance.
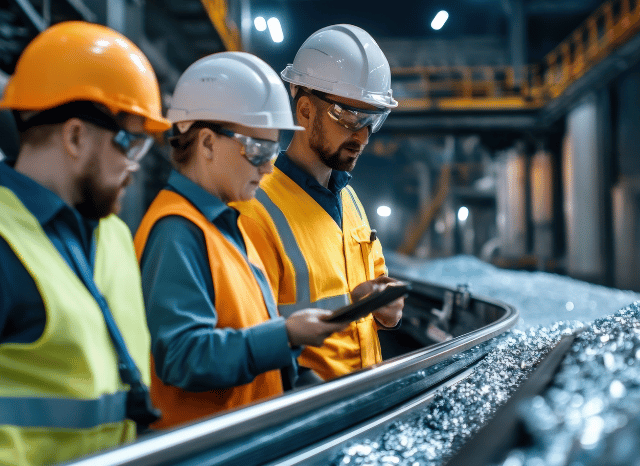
(279, 426)
(323, 453)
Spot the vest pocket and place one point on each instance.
(362, 237)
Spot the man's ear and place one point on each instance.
(73, 133)
(303, 111)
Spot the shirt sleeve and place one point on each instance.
(189, 350)
(5, 303)
(22, 313)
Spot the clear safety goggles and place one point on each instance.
(352, 118)
(133, 145)
(256, 151)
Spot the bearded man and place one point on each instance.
(74, 344)
(308, 225)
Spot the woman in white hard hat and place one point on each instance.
(217, 340)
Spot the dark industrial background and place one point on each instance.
(515, 140)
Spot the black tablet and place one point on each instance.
(369, 303)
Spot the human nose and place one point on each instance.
(265, 168)
(362, 135)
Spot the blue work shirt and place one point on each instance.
(189, 351)
(22, 313)
(328, 198)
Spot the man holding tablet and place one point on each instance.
(308, 225)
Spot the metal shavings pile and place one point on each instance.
(590, 415)
(430, 437)
(564, 298)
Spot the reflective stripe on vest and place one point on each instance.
(62, 396)
(66, 413)
(353, 199)
(303, 295)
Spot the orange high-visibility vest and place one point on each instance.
(238, 302)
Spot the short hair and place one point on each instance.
(38, 135)
(183, 147)
(36, 127)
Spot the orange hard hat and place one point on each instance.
(78, 61)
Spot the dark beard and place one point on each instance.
(331, 159)
(97, 202)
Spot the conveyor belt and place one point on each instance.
(282, 426)
(325, 451)
(503, 429)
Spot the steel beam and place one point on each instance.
(83, 10)
(31, 13)
(461, 121)
(618, 61)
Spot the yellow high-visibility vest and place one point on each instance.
(312, 262)
(61, 397)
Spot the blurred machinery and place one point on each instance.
(562, 170)
(541, 176)
(511, 180)
(528, 166)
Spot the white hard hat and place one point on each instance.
(343, 60)
(234, 87)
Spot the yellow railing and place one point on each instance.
(495, 88)
(448, 88)
(607, 28)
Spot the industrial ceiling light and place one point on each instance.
(275, 30)
(260, 23)
(384, 211)
(439, 20)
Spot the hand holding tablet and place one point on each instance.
(370, 303)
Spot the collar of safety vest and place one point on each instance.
(210, 206)
(338, 181)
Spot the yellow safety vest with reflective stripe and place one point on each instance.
(61, 396)
(312, 262)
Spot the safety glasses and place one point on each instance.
(133, 145)
(352, 118)
(256, 151)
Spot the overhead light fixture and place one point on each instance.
(439, 20)
(275, 30)
(384, 211)
(260, 23)
(463, 214)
